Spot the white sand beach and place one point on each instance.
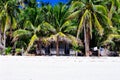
(59, 68)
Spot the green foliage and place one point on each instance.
(20, 32)
(23, 26)
(20, 44)
(18, 50)
(32, 40)
(8, 50)
(77, 48)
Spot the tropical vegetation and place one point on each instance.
(83, 24)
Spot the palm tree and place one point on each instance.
(8, 11)
(90, 15)
(30, 30)
(113, 34)
(29, 21)
(58, 26)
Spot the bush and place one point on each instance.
(8, 50)
(18, 50)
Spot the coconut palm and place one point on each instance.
(58, 26)
(8, 11)
(90, 16)
(113, 34)
(30, 30)
(112, 7)
(29, 21)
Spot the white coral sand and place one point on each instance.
(59, 68)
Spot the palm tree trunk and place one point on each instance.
(39, 46)
(10, 31)
(0, 37)
(57, 47)
(4, 41)
(86, 41)
(1, 45)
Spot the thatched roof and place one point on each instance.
(67, 38)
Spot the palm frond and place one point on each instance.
(32, 40)
(63, 8)
(109, 22)
(65, 24)
(20, 44)
(21, 32)
(49, 27)
(70, 28)
(61, 34)
(113, 36)
(114, 30)
(2, 13)
(7, 23)
(74, 15)
(119, 31)
(14, 24)
(101, 9)
(38, 28)
(98, 25)
(106, 42)
(111, 10)
(110, 39)
(29, 25)
(73, 40)
(81, 22)
(118, 5)
(76, 5)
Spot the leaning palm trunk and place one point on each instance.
(1, 45)
(4, 42)
(32, 40)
